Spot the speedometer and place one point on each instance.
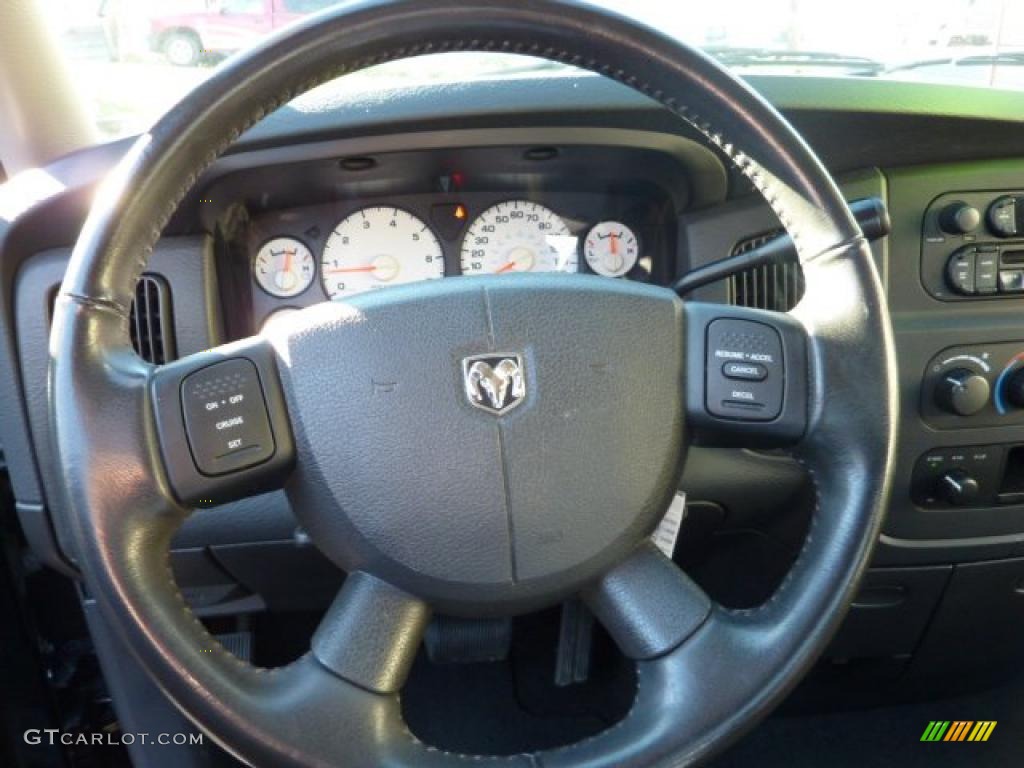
(377, 247)
(518, 236)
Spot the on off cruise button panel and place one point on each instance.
(223, 424)
(226, 418)
(745, 370)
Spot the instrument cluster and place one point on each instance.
(303, 256)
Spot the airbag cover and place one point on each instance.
(402, 473)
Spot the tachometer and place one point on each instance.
(518, 236)
(377, 247)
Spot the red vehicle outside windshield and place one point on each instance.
(220, 27)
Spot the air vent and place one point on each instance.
(150, 323)
(775, 287)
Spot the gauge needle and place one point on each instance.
(339, 270)
(506, 268)
(615, 244)
(288, 255)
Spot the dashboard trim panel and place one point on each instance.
(704, 166)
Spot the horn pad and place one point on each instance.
(488, 444)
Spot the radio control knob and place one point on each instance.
(961, 391)
(959, 218)
(958, 488)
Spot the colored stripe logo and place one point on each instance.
(959, 730)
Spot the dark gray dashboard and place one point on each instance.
(608, 152)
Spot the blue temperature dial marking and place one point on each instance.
(997, 395)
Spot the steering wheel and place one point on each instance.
(345, 407)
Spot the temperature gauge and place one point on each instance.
(284, 267)
(611, 248)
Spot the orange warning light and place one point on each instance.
(460, 211)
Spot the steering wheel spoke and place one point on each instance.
(222, 423)
(371, 633)
(648, 604)
(747, 377)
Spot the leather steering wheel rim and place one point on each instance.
(698, 690)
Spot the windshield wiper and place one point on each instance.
(1003, 59)
(768, 57)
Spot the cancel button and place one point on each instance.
(745, 371)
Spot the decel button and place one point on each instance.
(226, 417)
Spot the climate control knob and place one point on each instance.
(1013, 389)
(959, 218)
(961, 391)
(958, 488)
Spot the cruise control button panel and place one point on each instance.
(226, 419)
(745, 370)
(746, 381)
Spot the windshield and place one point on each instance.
(133, 59)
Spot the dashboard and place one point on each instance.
(340, 249)
(585, 176)
(331, 228)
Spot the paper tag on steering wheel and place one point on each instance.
(667, 532)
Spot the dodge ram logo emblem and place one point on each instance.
(494, 383)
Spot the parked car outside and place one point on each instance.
(222, 27)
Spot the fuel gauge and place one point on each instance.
(611, 248)
(284, 267)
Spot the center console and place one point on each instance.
(946, 588)
(965, 389)
(955, 283)
(972, 250)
